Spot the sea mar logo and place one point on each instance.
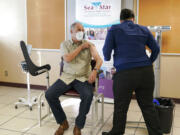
(97, 6)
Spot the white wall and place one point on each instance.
(70, 15)
(127, 4)
(170, 76)
(13, 22)
(13, 28)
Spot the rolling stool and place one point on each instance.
(29, 101)
(30, 68)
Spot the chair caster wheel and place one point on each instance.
(30, 108)
(16, 107)
(35, 100)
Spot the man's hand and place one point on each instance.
(92, 77)
(85, 45)
(70, 56)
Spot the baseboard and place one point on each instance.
(176, 100)
(21, 85)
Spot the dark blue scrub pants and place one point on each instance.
(140, 80)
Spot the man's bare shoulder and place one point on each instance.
(90, 43)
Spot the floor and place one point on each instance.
(22, 121)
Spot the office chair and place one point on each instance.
(73, 93)
(30, 68)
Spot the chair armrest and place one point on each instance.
(43, 69)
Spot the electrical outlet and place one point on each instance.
(6, 73)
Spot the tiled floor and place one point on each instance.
(22, 121)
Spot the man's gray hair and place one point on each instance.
(74, 25)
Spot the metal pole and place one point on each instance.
(137, 12)
(28, 87)
(65, 14)
(158, 36)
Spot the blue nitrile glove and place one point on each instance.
(155, 101)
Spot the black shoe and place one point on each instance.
(107, 133)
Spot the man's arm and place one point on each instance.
(96, 57)
(108, 46)
(70, 56)
(99, 62)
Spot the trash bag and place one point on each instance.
(165, 109)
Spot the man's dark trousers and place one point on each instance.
(140, 80)
(58, 88)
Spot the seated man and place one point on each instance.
(77, 54)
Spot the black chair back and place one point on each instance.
(32, 68)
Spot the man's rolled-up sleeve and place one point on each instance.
(63, 49)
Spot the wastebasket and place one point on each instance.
(165, 108)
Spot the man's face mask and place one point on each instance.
(80, 35)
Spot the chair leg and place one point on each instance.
(101, 97)
(92, 117)
(47, 77)
(40, 109)
(102, 109)
(40, 118)
(96, 109)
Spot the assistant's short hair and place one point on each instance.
(126, 14)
